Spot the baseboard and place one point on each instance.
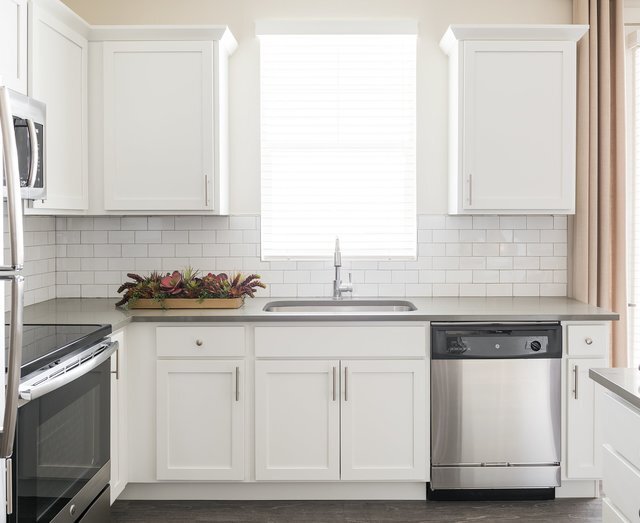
(275, 491)
(578, 489)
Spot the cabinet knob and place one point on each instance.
(588, 341)
(199, 343)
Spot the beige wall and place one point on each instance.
(433, 16)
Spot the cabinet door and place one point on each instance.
(583, 445)
(383, 420)
(119, 462)
(59, 79)
(297, 420)
(200, 420)
(13, 44)
(518, 126)
(158, 126)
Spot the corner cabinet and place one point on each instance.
(512, 110)
(58, 77)
(164, 120)
(13, 44)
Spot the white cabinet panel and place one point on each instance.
(119, 427)
(383, 420)
(621, 428)
(158, 125)
(583, 449)
(13, 44)
(610, 513)
(59, 79)
(519, 101)
(512, 118)
(297, 420)
(621, 484)
(200, 342)
(200, 420)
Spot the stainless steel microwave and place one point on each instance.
(29, 125)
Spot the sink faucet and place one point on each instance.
(338, 286)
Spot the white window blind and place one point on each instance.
(338, 147)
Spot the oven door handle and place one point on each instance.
(37, 391)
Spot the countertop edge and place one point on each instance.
(623, 393)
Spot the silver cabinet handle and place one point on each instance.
(470, 193)
(13, 365)
(237, 383)
(334, 383)
(588, 341)
(575, 382)
(117, 371)
(206, 190)
(346, 384)
(199, 343)
(9, 483)
(12, 176)
(33, 165)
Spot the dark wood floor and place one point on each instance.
(558, 511)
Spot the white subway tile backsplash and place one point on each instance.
(457, 256)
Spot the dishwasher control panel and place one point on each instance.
(488, 341)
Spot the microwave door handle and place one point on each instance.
(12, 175)
(13, 365)
(35, 154)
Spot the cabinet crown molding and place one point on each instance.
(221, 33)
(460, 32)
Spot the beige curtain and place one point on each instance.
(598, 233)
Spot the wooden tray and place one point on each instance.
(188, 303)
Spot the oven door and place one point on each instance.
(62, 449)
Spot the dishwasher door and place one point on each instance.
(494, 412)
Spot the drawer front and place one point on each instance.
(621, 430)
(331, 341)
(621, 485)
(588, 340)
(610, 513)
(198, 342)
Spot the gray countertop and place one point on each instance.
(622, 382)
(103, 310)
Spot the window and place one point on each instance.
(338, 147)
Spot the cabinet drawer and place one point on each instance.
(610, 513)
(587, 340)
(621, 485)
(331, 341)
(621, 429)
(199, 342)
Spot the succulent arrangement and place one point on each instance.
(188, 284)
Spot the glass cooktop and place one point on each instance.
(44, 344)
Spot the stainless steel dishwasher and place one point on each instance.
(495, 409)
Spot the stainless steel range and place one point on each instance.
(495, 423)
(61, 466)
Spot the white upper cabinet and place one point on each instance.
(512, 117)
(58, 77)
(13, 44)
(161, 96)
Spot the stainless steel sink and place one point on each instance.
(339, 306)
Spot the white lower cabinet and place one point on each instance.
(383, 420)
(583, 451)
(200, 420)
(297, 420)
(119, 426)
(349, 420)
